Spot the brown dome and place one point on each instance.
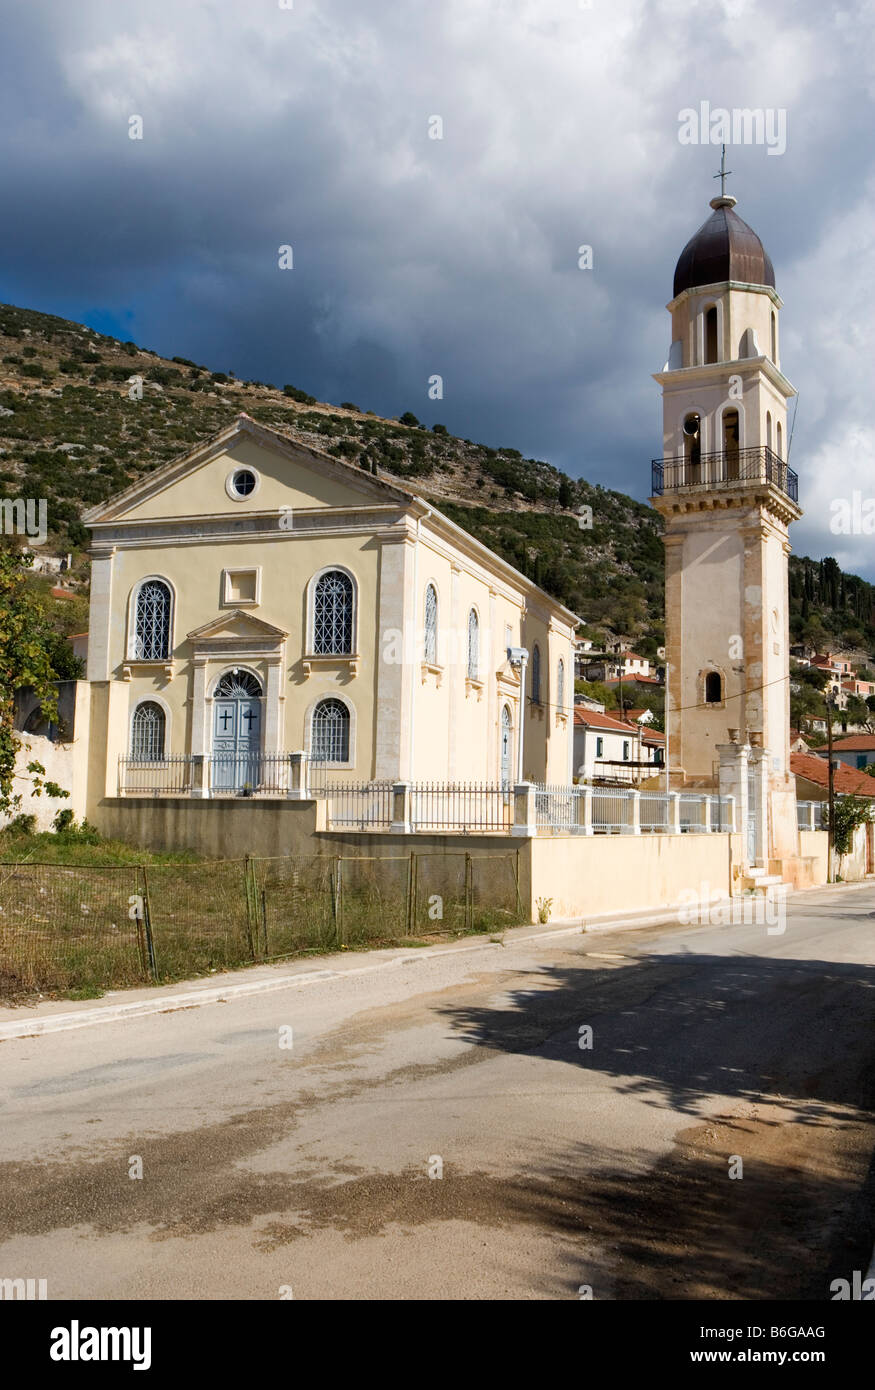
(724, 248)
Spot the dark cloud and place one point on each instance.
(265, 126)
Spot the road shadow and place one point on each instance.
(771, 1061)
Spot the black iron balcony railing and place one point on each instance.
(727, 467)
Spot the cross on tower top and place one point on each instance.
(723, 173)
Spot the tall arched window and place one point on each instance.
(692, 447)
(768, 429)
(536, 675)
(774, 353)
(147, 733)
(332, 614)
(329, 732)
(560, 686)
(473, 645)
(713, 688)
(778, 444)
(430, 645)
(506, 747)
(711, 334)
(730, 443)
(152, 621)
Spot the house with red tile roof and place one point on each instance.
(610, 749)
(856, 751)
(812, 778)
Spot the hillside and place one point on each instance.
(70, 433)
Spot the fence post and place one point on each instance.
(199, 778)
(339, 900)
(524, 822)
(147, 924)
(251, 908)
(411, 893)
(400, 808)
(299, 789)
(634, 824)
(706, 814)
(583, 809)
(674, 813)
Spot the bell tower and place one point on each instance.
(727, 497)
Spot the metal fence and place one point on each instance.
(611, 810)
(359, 805)
(654, 812)
(557, 809)
(722, 813)
(220, 774)
(157, 777)
(81, 930)
(465, 806)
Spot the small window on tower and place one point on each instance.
(692, 448)
(713, 688)
(711, 335)
(730, 443)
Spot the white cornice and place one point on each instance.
(720, 286)
(682, 377)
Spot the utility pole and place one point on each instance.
(831, 827)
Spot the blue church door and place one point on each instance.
(237, 733)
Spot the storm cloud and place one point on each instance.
(309, 126)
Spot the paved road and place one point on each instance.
(308, 1168)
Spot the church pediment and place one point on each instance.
(231, 629)
(280, 475)
(508, 675)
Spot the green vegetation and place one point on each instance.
(81, 915)
(70, 433)
(848, 813)
(27, 645)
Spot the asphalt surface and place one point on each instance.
(312, 1170)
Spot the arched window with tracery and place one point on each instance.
(238, 685)
(536, 675)
(473, 645)
(431, 613)
(152, 621)
(560, 686)
(148, 728)
(333, 598)
(329, 732)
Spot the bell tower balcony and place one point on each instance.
(730, 469)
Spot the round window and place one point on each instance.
(242, 482)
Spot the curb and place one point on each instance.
(117, 1013)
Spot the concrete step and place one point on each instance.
(761, 882)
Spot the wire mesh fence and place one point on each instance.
(63, 928)
(81, 930)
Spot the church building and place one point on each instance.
(258, 600)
